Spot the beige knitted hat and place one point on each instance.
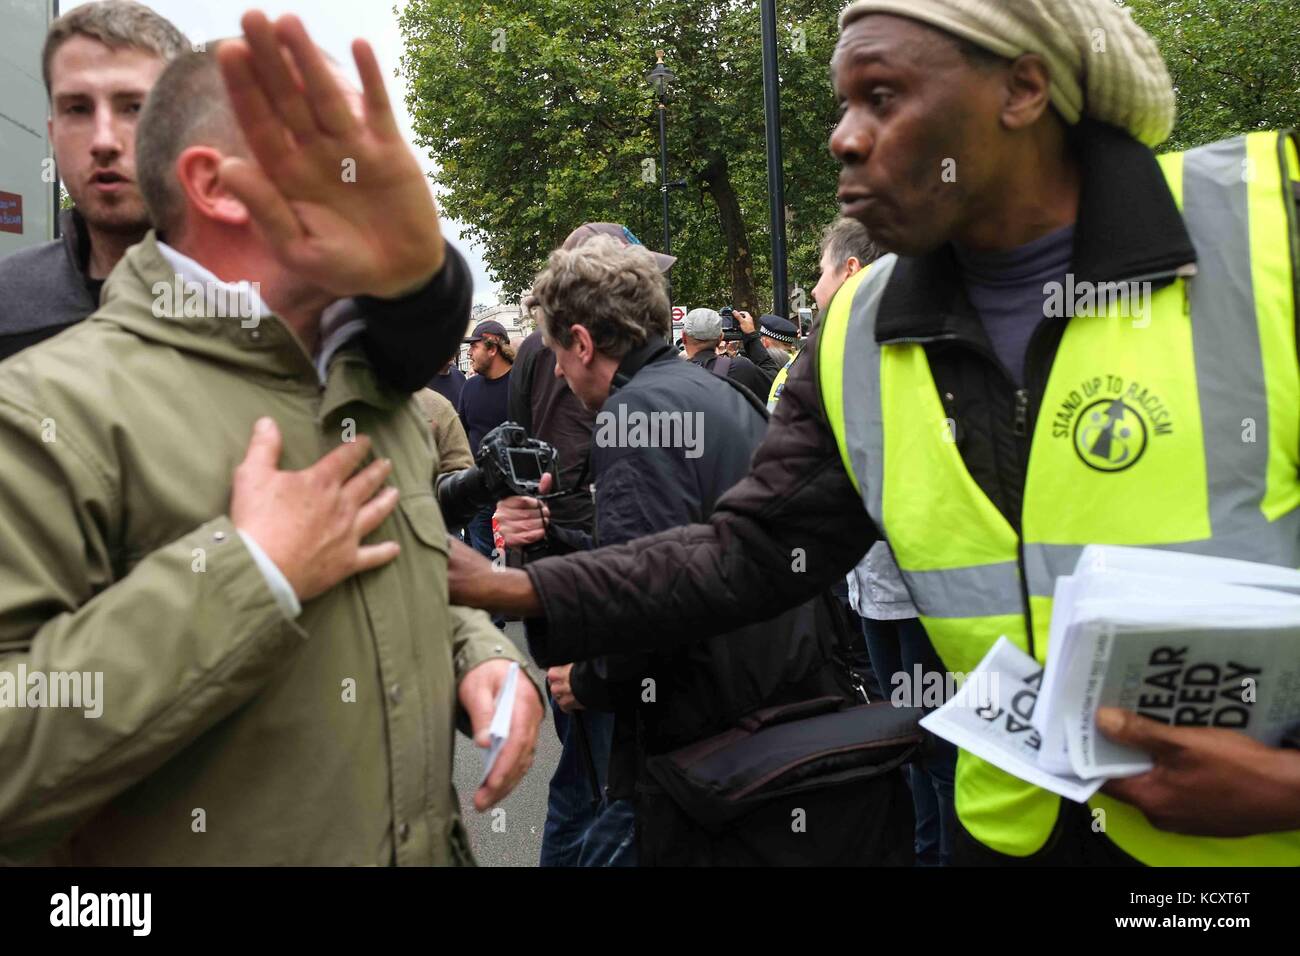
(1103, 64)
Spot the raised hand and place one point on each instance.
(337, 192)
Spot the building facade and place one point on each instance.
(28, 179)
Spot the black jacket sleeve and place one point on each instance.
(633, 499)
(520, 405)
(408, 340)
(789, 529)
(590, 684)
(566, 540)
(752, 377)
(754, 350)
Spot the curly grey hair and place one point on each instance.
(616, 292)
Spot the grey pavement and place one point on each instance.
(515, 837)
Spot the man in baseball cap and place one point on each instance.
(622, 234)
(483, 405)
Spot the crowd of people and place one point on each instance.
(750, 537)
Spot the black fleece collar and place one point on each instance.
(637, 359)
(1129, 227)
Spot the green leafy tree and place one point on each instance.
(541, 118)
(1235, 65)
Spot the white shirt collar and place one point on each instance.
(339, 323)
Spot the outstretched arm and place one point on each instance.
(790, 528)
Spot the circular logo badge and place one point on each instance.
(1109, 435)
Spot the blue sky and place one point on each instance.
(334, 24)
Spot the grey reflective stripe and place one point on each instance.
(978, 591)
(1045, 562)
(982, 590)
(1229, 366)
(864, 432)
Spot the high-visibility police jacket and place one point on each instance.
(778, 383)
(1170, 418)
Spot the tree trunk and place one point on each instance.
(718, 180)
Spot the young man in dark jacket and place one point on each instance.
(100, 61)
(670, 439)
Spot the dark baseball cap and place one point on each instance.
(623, 234)
(488, 327)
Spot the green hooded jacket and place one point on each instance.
(227, 733)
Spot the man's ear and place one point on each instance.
(1028, 91)
(586, 346)
(198, 170)
(852, 266)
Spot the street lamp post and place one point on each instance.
(661, 78)
(775, 179)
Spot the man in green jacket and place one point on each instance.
(264, 670)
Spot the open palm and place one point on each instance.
(334, 187)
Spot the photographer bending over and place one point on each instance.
(669, 440)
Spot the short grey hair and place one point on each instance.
(616, 292)
(187, 106)
(846, 239)
(118, 24)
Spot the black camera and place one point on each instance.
(508, 463)
(731, 331)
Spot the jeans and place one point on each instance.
(579, 831)
(897, 646)
(479, 532)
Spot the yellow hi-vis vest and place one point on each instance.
(1175, 425)
(778, 383)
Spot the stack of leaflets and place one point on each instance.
(1184, 639)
